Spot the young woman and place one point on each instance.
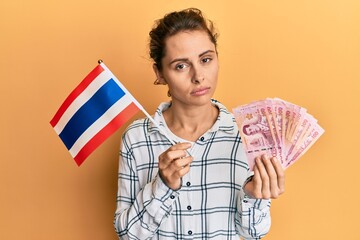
(200, 187)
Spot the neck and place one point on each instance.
(190, 122)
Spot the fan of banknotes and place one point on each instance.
(276, 128)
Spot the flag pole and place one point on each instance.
(101, 62)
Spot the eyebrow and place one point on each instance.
(186, 59)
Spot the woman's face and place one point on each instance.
(190, 67)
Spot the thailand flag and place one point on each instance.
(92, 112)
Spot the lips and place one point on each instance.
(200, 91)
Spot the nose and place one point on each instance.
(198, 75)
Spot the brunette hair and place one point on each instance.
(190, 19)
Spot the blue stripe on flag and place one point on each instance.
(93, 109)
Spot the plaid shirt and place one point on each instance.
(210, 204)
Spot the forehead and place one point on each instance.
(186, 44)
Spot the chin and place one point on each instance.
(201, 100)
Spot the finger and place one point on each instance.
(182, 162)
(183, 171)
(180, 146)
(274, 188)
(164, 161)
(257, 183)
(166, 158)
(265, 189)
(178, 150)
(280, 174)
(181, 166)
(176, 154)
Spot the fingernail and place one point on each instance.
(275, 159)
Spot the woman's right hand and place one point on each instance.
(174, 163)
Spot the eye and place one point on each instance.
(180, 66)
(206, 59)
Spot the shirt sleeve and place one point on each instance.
(140, 209)
(253, 219)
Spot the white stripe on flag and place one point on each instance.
(117, 81)
(97, 83)
(100, 123)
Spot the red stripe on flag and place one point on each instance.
(104, 133)
(75, 93)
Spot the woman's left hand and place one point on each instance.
(268, 180)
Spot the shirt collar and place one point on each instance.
(225, 121)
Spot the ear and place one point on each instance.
(159, 76)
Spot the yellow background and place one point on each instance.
(306, 52)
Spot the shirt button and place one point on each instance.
(189, 207)
(190, 232)
(188, 184)
(172, 196)
(202, 139)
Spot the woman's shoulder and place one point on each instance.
(225, 116)
(137, 128)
